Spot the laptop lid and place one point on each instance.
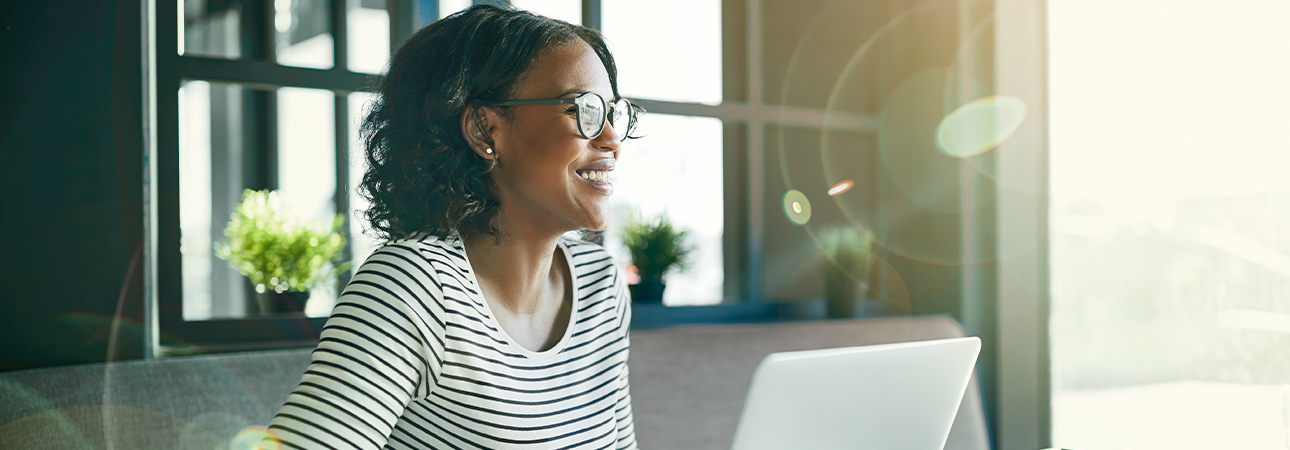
(893, 396)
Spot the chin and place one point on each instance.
(596, 223)
(601, 227)
(596, 217)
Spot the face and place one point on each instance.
(542, 156)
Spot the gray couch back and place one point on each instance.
(688, 384)
(688, 387)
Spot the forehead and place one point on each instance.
(562, 68)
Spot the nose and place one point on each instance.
(609, 138)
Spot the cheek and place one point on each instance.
(548, 163)
(557, 150)
(551, 148)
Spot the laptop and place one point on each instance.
(894, 396)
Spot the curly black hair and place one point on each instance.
(422, 176)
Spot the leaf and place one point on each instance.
(656, 246)
(277, 250)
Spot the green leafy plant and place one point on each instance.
(656, 246)
(848, 250)
(277, 251)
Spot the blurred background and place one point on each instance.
(1096, 188)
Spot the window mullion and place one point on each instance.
(403, 21)
(340, 35)
(266, 75)
(755, 148)
(591, 13)
(341, 198)
(257, 31)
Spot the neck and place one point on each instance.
(518, 274)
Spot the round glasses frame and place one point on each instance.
(592, 112)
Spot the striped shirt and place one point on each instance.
(412, 358)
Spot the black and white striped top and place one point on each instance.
(412, 358)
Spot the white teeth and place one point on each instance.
(596, 175)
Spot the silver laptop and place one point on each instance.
(893, 396)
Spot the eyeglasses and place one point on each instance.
(592, 112)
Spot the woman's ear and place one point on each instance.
(477, 129)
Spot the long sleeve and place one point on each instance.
(376, 354)
(623, 410)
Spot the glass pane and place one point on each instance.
(307, 167)
(361, 244)
(369, 36)
(566, 10)
(676, 56)
(1170, 225)
(210, 187)
(447, 7)
(676, 169)
(209, 29)
(304, 33)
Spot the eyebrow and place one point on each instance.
(575, 92)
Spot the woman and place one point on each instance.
(480, 324)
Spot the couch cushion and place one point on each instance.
(174, 403)
(689, 384)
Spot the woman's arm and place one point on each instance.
(376, 354)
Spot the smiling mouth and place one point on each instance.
(598, 176)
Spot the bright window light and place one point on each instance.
(1170, 224)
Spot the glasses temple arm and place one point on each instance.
(558, 101)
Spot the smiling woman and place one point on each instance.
(479, 323)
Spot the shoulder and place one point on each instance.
(587, 256)
(601, 281)
(592, 266)
(400, 281)
(408, 267)
(418, 249)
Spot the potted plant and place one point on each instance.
(284, 256)
(656, 247)
(848, 258)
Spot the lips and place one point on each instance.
(596, 175)
(600, 165)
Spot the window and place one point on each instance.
(245, 88)
(258, 95)
(1170, 225)
(677, 58)
(268, 95)
(678, 169)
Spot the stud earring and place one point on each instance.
(488, 150)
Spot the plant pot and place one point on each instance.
(647, 292)
(274, 303)
(843, 295)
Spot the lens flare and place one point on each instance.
(979, 126)
(250, 438)
(841, 187)
(885, 119)
(796, 207)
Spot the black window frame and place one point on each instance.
(743, 117)
(255, 71)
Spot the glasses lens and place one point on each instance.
(619, 117)
(633, 116)
(591, 115)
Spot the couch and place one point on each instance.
(688, 387)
